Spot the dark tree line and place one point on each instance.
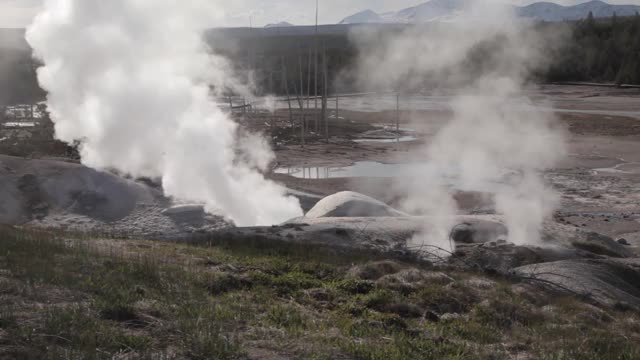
(590, 50)
(605, 50)
(596, 50)
(18, 83)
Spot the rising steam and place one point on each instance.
(485, 59)
(131, 80)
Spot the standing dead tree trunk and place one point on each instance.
(299, 100)
(325, 68)
(315, 82)
(244, 109)
(309, 64)
(285, 84)
(302, 120)
(315, 86)
(337, 106)
(398, 118)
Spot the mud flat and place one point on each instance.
(599, 181)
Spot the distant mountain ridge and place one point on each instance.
(436, 10)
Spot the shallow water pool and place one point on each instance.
(359, 169)
(372, 169)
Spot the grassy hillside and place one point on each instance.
(91, 298)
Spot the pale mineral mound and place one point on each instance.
(351, 204)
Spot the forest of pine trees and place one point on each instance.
(597, 50)
(606, 50)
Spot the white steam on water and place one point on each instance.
(486, 60)
(131, 80)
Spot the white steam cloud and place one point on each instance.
(131, 80)
(485, 59)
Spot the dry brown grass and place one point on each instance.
(95, 298)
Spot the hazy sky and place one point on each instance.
(18, 13)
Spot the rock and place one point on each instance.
(184, 210)
(352, 204)
(437, 278)
(450, 317)
(601, 245)
(431, 316)
(479, 283)
(624, 242)
(479, 232)
(502, 259)
(411, 279)
(606, 281)
(44, 193)
(462, 234)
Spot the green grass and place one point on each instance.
(64, 297)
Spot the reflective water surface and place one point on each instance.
(372, 169)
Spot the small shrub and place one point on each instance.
(446, 299)
(203, 340)
(379, 299)
(292, 282)
(221, 283)
(472, 331)
(286, 317)
(356, 286)
(376, 270)
(405, 310)
(504, 313)
(7, 318)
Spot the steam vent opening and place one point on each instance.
(375, 179)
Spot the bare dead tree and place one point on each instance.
(271, 82)
(315, 82)
(302, 120)
(285, 84)
(244, 109)
(309, 64)
(298, 99)
(398, 117)
(337, 106)
(325, 94)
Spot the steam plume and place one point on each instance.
(486, 59)
(131, 80)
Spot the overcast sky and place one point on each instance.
(18, 13)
